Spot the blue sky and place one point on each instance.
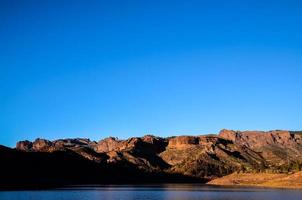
(129, 68)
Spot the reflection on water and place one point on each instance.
(154, 192)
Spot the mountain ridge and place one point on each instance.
(177, 158)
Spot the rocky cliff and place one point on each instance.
(279, 149)
(202, 158)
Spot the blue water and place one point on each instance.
(155, 192)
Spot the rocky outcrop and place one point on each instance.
(42, 145)
(24, 145)
(108, 144)
(183, 141)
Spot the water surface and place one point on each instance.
(154, 192)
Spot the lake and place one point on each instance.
(154, 192)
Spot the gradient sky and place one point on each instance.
(129, 68)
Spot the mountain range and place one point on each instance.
(149, 159)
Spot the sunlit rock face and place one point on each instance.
(41, 145)
(108, 144)
(183, 141)
(278, 147)
(258, 139)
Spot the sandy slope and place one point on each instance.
(261, 179)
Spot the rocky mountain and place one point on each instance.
(150, 158)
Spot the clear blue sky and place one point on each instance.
(127, 68)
